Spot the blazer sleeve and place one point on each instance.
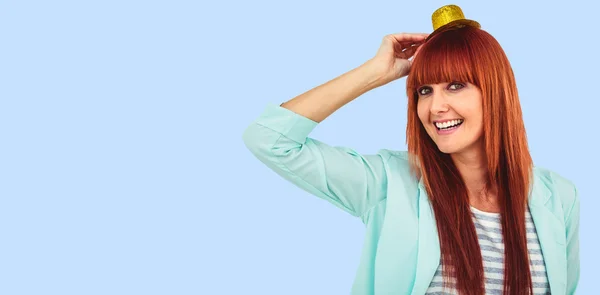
(572, 240)
(339, 175)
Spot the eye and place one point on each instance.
(424, 90)
(457, 84)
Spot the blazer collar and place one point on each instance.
(429, 254)
(550, 230)
(540, 193)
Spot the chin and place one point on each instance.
(448, 149)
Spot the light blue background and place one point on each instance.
(123, 169)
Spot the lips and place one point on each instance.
(447, 124)
(448, 127)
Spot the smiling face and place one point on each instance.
(452, 115)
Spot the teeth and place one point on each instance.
(447, 124)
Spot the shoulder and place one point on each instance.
(394, 155)
(561, 188)
(394, 159)
(398, 166)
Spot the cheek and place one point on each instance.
(476, 113)
(422, 112)
(471, 110)
(474, 116)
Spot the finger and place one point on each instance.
(408, 52)
(413, 51)
(401, 37)
(403, 47)
(410, 43)
(411, 35)
(406, 44)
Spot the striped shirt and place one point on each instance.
(489, 232)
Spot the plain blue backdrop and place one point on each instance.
(122, 166)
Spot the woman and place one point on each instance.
(463, 211)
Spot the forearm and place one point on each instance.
(322, 101)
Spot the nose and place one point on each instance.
(439, 103)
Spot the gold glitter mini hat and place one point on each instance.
(449, 17)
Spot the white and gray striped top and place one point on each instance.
(488, 229)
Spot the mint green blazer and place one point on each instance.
(401, 251)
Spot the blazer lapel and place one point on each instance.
(428, 258)
(550, 230)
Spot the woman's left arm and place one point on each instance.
(572, 232)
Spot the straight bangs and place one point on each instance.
(444, 58)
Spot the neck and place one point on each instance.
(472, 166)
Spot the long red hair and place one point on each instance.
(473, 55)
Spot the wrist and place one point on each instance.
(373, 73)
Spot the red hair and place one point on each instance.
(473, 55)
